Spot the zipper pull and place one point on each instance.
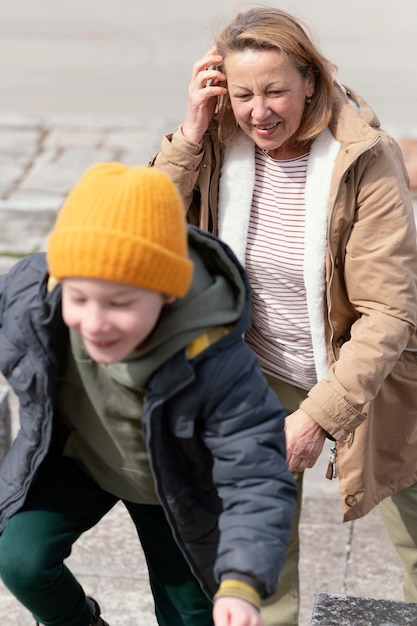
(331, 468)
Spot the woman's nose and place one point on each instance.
(260, 109)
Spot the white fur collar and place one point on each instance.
(235, 198)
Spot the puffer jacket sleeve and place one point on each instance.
(26, 363)
(244, 432)
(2, 288)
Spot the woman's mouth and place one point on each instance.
(265, 127)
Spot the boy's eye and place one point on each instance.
(120, 304)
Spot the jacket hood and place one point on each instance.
(353, 123)
(218, 296)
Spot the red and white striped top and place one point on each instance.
(280, 333)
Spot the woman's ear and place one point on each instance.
(310, 83)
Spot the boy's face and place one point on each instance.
(112, 319)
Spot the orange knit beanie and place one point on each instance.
(123, 224)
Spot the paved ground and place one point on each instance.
(88, 81)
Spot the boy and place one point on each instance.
(135, 384)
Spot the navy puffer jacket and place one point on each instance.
(213, 428)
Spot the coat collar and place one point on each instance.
(237, 181)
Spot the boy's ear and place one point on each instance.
(170, 299)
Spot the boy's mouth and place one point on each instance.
(101, 343)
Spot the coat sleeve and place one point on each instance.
(195, 169)
(244, 433)
(181, 160)
(380, 282)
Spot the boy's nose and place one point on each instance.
(95, 320)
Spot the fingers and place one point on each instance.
(298, 463)
(305, 439)
(205, 70)
(206, 85)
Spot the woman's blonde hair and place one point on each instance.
(267, 28)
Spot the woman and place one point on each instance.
(293, 171)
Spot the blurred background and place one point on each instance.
(133, 58)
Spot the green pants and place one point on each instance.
(63, 503)
(399, 514)
(283, 607)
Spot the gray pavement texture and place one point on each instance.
(334, 609)
(86, 81)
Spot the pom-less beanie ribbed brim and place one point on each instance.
(123, 224)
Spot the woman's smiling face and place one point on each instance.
(268, 96)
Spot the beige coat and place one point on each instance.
(364, 302)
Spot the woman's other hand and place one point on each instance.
(305, 440)
(207, 84)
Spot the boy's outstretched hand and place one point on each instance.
(228, 611)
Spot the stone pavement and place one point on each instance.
(40, 161)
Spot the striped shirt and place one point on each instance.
(280, 334)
